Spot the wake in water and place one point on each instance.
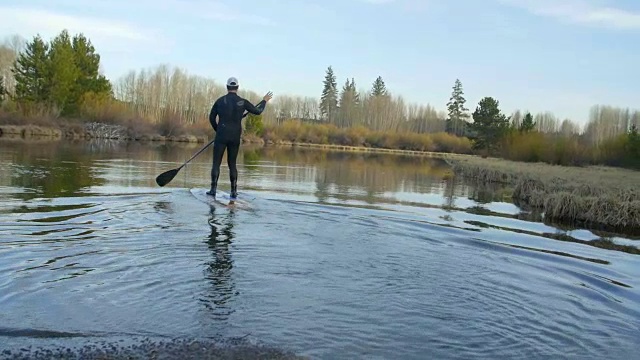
(328, 269)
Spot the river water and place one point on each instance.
(339, 256)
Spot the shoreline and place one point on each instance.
(362, 149)
(32, 132)
(36, 132)
(597, 197)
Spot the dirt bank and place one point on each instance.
(88, 132)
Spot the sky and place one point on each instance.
(561, 56)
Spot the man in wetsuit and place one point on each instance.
(230, 109)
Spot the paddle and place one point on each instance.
(166, 177)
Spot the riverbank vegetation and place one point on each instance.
(58, 84)
(595, 196)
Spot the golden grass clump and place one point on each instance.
(295, 131)
(595, 196)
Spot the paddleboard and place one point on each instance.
(222, 199)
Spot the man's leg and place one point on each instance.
(218, 151)
(233, 170)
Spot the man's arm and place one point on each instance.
(212, 116)
(257, 109)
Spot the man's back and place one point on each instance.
(230, 109)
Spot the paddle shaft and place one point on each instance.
(198, 153)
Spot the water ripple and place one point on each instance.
(332, 272)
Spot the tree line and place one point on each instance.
(54, 76)
(61, 78)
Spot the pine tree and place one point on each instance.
(59, 73)
(632, 146)
(3, 91)
(329, 99)
(456, 122)
(349, 101)
(354, 90)
(527, 123)
(88, 63)
(344, 95)
(379, 88)
(378, 106)
(489, 124)
(89, 80)
(31, 73)
(64, 73)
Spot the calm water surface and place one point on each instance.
(341, 256)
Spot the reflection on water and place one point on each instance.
(219, 269)
(48, 170)
(344, 255)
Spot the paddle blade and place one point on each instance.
(164, 178)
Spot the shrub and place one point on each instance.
(254, 125)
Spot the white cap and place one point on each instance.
(232, 81)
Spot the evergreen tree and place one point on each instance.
(379, 106)
(456, 122)
(349, 101)
(527, 123)
(633, 145)
(489, 124)
(31, 73)
(516, 120)
(88, 62)
(64, 74)
(59, 73)
(3, 91)
(89, 79)
(354, 91)
(345, 95)
(379, 88)
(329, 99)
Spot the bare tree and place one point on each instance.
(516, 119)
(607, 121)
(569, 128)
(546, 122)
(10, 48)
(164, 92)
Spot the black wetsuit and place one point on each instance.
(230, 108)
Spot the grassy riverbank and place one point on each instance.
(75, 131)
(290, 132)
(595, 196)
(598, 197)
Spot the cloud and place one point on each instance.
(377, 1)
(49, 23)
(584, 12)
(410, 6)
(196, 9)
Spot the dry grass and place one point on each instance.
(568, 150)
(293, 131)
(595, 196)
(16, 124)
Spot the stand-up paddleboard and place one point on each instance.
(222, 199)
